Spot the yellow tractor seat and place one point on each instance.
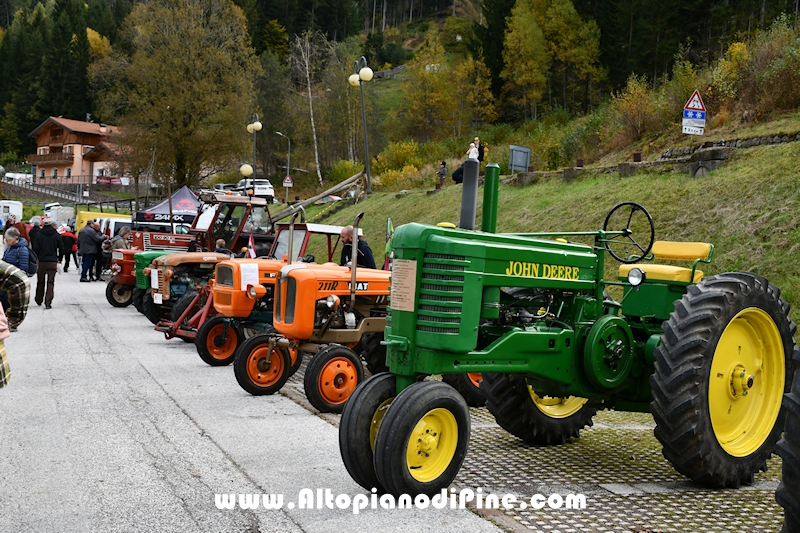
(663, 272)
(698, 252)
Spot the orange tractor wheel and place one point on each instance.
(331, 377)
(217, 342)
(259, 370)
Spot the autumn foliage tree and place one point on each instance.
(181, 85)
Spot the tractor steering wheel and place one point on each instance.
(628, 218)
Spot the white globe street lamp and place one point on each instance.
(362, 73)
(253, 127)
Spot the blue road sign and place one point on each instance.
(698, 115)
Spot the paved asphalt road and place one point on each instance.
(106, 426)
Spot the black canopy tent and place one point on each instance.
(184, 209)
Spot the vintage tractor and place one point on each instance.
(129, 283)
(326, 310)
(240, 313)
(232, 218)
(706, 355)
(237, 220)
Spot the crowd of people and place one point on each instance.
(45, 248)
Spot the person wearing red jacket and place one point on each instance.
(69, 247)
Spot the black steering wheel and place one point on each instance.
(627, 219)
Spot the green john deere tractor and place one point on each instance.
(708, 356)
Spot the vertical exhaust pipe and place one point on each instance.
(354, 260)
(491, 187)
(469, 194)
(291, 235)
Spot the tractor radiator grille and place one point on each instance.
(223, 298)
(441, 277)
(430, 329)
(446, 288)
(446, 257)
(454, 268)
(438, 298)
(437, 312)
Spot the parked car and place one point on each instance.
(222, 188)
(260, 188)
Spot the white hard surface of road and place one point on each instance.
(106, 426)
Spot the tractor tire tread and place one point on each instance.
(680, 401)
(509, 401)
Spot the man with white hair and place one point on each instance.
(48, 247)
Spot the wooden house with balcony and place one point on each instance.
(72, 151)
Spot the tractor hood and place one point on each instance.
(183, 258)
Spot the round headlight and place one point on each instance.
(251, 292)
(636, 277)
(332, 301)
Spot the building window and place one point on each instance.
(86, 149)
(55, 173)
(69, 173)
(43, 150)
(68, 149)
(41, 173)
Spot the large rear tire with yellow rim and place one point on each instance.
(720, 376)
(422, 440)
(361, 419)
(541, 420)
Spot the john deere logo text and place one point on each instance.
(537, 270)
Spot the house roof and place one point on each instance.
(102, 151)
(76, 126)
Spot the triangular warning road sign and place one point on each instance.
(695, 103)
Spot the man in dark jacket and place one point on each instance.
(365, 258)
(89, 239)
(48, 247)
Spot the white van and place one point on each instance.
(260, 188)
(10, 207)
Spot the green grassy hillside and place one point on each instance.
(748, 209)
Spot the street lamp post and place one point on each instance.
(288, 162)
(362, 73)
(254, 127)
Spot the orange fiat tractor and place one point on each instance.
(241, 313)
(329, 311)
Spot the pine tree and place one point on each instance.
(490, 37)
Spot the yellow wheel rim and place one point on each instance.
(557, 407)
(377, 418)
(746, 383)
(432, 445)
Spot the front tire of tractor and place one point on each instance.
(210, 346)
(374, 353)
(181, 305)
(149, 308)
(331, 376)
(469, 386)
(788, 494)
(422, 440)
(119, 295)
(138, 295)
(258, 371)
(720, 376)
(544, 420)
(361, 419)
